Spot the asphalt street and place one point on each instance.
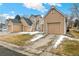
(6, 52)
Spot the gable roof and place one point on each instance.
(35, 16)
(29, 22)
(54, 8)
(10, 20)
(17, 19)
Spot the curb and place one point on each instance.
(15, 48)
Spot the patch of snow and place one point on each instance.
(31, 33)
(37, 34)
(37, 37)
(59, 40)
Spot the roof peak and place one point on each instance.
(53, 7)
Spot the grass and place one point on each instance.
(74, 33)
(19, 40)
(68, 47)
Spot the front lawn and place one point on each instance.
(68, 47)
(74, 33)
(20, 40)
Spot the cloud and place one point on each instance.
(36, 6)
(59, 5)
(39, 6)
(55, 4)
(4, 17)
(7, 16)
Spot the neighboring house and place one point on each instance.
(37, 22)
(19, 24)
(3, 27)
(54, 22)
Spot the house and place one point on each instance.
(19, 24)
(54, 22)
(36, 20)
(22, 24)
(2, 27)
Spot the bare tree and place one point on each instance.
(75, 14)
(75, 10)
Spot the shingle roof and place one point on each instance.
(18, 18)
(35, 16)
(28, 21)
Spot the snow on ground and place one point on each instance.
(37, 37)
(59, 40)
(37, 34)
(31, 33)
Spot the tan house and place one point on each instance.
(54, 22)
(19, 24)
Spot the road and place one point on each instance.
(6, 52)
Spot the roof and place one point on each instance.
(29, 22)
(54, 8)
(15, 20)
(18, 18)
(10, 20)
(35, 16)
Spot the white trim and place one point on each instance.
(12, 27)
(65, 26)
(46, 28)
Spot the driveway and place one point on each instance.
(6, 52)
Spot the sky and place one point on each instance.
(31, 8)
(26, 9)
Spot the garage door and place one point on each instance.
(54, 28)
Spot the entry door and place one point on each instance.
(54, 28)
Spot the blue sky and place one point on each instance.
(27, 9)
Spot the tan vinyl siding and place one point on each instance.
(17, 28)
(10, 26)
(26, 27)
(54, 23)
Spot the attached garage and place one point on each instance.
(54, 22)
(54, 28)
